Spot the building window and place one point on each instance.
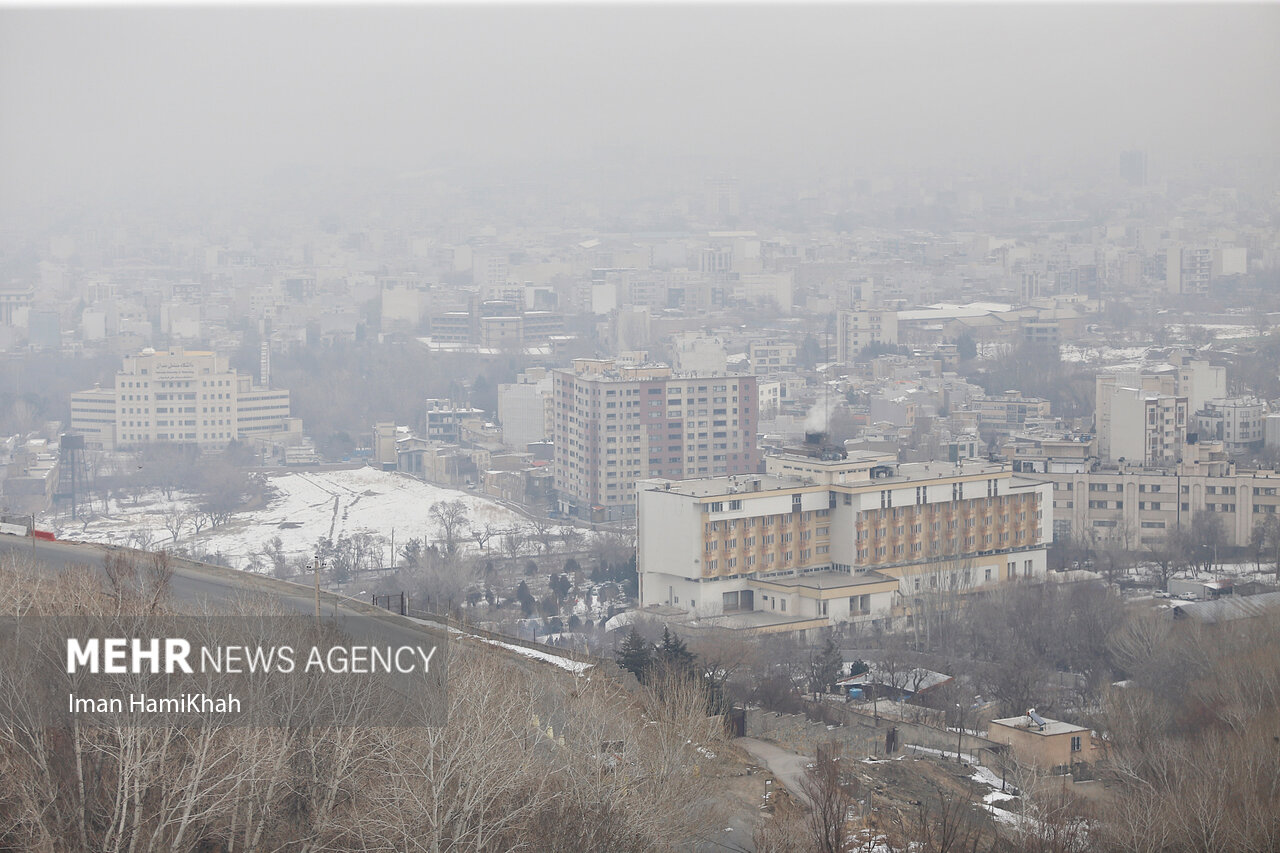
(1076, 745)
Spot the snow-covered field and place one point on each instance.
(1118, 356)
(1128, 357)
(1221, 331)
(304, 507)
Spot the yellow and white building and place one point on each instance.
(182, 396)
(816, 541)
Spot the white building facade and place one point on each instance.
(178, 396)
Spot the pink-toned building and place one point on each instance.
(616, 425)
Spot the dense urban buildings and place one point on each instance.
(1135, 506)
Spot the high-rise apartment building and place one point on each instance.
(770, 357)
(524, 408)
(1238, 422)
(616, 425)
(1188, 269)
(178, 396)
(856, 330)
(1144, 415)
(1133, 167)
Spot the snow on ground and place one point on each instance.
(575, 666)
(985, 776)
(1221, 331)
(305, 507)
(964, 756)
(1008, 818)
(1119, 356)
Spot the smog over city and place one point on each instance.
(632, 427)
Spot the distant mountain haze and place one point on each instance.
(114, 105)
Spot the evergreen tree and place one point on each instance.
(673, 654)
(826, 668)
(635, 656)
(525, 598)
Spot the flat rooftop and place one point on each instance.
(936, 469)
(757, 620)
(713, 486)
(795, 453)
(907, 472)
(1052, 727)
(826, 580)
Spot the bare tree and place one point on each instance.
(483, 533)
(142, 538)
(571, 537)
(1271, 543)
(945, 824)
(158, 577)
(175, 519)
(199, 521)
(513, 541)
(831, 793)
(1167, 554)
(120, 570)
(452, 520)
(544, 532)
(273, 550)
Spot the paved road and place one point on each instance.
(789, 767)
(196, 582)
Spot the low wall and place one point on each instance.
(861, 734)
(798, 733)
(922, 735)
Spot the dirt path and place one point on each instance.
(788, 766)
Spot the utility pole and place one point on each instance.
(33, 535)
(959, 731)
(316, 566)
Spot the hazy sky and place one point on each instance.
(99, 98)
